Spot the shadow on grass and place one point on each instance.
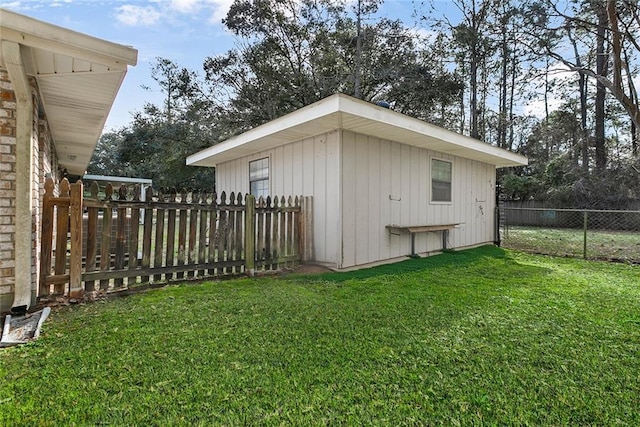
(448, 258)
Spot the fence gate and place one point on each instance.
(112, 238)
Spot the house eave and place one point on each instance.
(78, 78)
(342, 112)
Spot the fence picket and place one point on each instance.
(283, 229)
(121, 227)
(171, 233)
(222, 230)
(147, 232)
(182, 235)
(276, 232)
(105, 249)
(260, 217)
(134, 232)
(193, 231)
(159, 240)
(289, 228)
(75, 246)
(92, 236)
(239, 233)
(266, 258)
(231, 226)
(202, 234)
(213, 241)
(47, 235)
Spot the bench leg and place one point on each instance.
(413, 244)
(445, 234)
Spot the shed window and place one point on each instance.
(259, 177)
(440, 181)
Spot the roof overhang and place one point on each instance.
(78, 78)
(344, 112)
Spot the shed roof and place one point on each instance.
(344, 112)
(78, 77)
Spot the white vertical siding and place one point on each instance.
(385, 182)
(387, 212)
(308, 168)
(360, 184)
(375, 161)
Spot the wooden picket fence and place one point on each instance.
(114, 239)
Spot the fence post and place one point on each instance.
(61, 234)
(307, 229)
(496, 218)
(47, 236)
(75, 260)
(584, 227)
(250, 234)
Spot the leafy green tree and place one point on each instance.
(107, 159)
(159, 138)
(293, 53)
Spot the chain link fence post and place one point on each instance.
(584, 228)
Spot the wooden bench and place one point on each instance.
(413, 229)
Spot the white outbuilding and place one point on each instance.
(384, 185)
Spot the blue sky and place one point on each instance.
(185, 31)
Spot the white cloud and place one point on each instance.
(157, 11)
(220, 9)
(132, 15)
(537, 109)
(185, 6)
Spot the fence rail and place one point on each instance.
(587, 233)
(112, 239)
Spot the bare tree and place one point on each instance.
(615, 26)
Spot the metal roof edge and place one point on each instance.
(305, 114)
(33, 32)
(395, 119)
(117, 179)
(341, 104)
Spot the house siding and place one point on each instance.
(44, 162)
(385, 182)
(307, 167)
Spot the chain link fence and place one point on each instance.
(612, 235)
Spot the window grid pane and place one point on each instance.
(259, 177)
(440, 181)
(259, 169)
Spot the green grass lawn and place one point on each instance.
(478, 337)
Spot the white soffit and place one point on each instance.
(78, 78)
(344, 112)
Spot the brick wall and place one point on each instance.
(7, 190)
(44, 163)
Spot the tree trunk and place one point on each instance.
(473, 107)
(514, 68)
(601, 70)
(502, 115)
(473, 72)
(582, 87)
(356, 83)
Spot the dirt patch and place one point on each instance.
(311, 269)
